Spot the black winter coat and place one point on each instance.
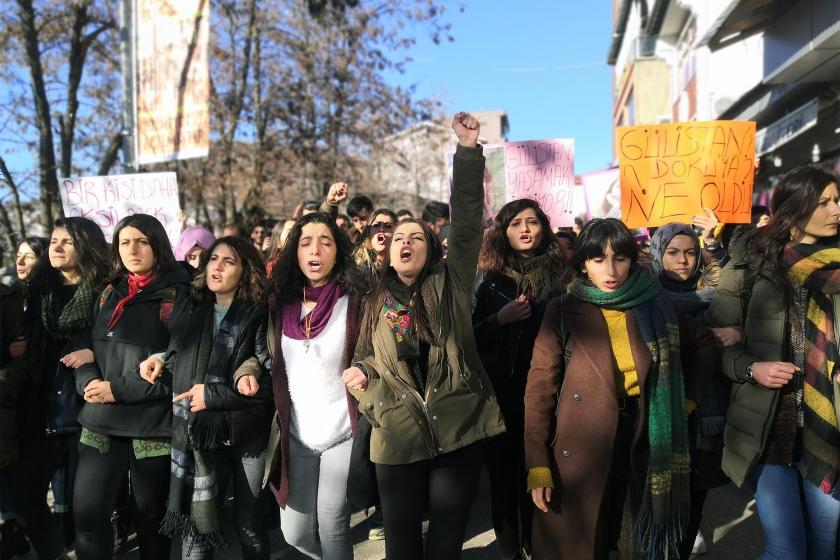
(141, 410)
(246, 418)
(505, 350)
(48, 401)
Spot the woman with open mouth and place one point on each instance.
(126, 421)
(418, 377)
(222, 407)
(615, 370)
(522, 264)
(315, 320)
(371, 251)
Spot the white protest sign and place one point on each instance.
(107, 200)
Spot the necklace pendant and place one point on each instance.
(306, 345)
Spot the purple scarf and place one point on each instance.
(325, 296)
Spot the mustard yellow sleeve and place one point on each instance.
(690, 406)
(539, 477)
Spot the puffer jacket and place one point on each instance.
(764, 322)
(141, 409)
(459, 406)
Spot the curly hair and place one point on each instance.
(250, 285)
(287, 279)
(496, 251)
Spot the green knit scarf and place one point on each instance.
(663, 512)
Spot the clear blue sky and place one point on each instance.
(543, 61)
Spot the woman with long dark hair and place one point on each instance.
(782, 288)
(126, 421)
(29, 252)
(418, 377)
(221, 418)
(62, 290)
(522, 265)
(615, 370)
(314, 302)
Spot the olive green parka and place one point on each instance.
(747, 299)
(458, 406)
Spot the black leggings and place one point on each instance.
(510, 503)
(447, 485)
(40, 457)
(98, 481)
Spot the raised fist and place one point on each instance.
(337, 193)
(466, 127)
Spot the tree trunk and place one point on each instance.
(48, 181)
(7, 178)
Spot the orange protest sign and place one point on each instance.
(670, 172)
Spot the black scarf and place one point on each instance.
(193, 505)
(61, 323)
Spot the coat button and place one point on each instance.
(370, 405)
(578, 398)
(567, 454)
(434, 417)
(403, 395)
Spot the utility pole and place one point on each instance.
(128, 70)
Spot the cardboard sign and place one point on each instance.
(542, 170)
(670, 172)
(107, 200)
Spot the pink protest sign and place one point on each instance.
(106, 200)
(542, 170)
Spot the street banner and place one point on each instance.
(542, 170)
(172, 80)
(670, 172)
(106, 200)
(601, 193)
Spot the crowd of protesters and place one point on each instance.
(607, 378)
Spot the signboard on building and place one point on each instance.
(172, 80)
(108, 199)
(787, 128)
(671, 172)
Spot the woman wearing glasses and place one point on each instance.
(371, 251)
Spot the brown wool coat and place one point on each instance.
(574, 437)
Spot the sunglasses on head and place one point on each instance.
(385, 227)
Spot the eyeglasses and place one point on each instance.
(385, 227)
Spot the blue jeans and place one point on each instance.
(798, 519)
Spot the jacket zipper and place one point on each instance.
(425, 408)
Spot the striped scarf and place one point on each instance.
(663, 513)
(817, 269)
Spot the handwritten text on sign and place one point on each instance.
(543, 170)
(670, 172)
(107, 200)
